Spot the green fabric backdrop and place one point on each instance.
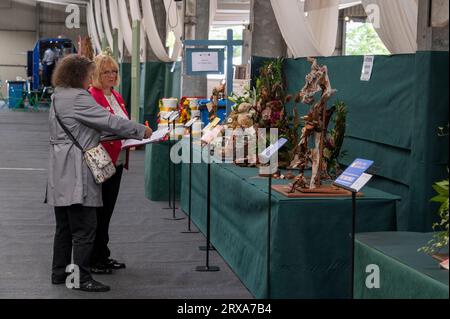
(404, 272)
(157, 82)
(393, 119)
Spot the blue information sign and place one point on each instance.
(354, 172)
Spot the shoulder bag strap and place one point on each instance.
(69, 134)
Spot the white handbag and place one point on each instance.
(100, 163)
(96, 158)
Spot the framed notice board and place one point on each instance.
(205, 61)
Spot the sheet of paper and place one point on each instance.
(156, 137)
(366, 72)
(205, 61)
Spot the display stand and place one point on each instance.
(267, 156)
(207, 267)
(352, 281)
(173, 183)
(169, 163)
(353, 179)
(269, 228)
(191, 159)
(208, 139)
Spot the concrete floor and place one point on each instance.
(160, 260)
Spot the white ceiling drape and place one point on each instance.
(98, 20)
(151, 29)
(309, 27)
(92, 29)
(115, 23)
(396, 24)
(106, 25)
(136, 16)
(175, 24)
(124, 23)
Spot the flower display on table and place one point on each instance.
(264, 107)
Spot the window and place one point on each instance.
(220, 33)
(362, 39)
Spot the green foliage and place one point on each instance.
(440, 239)
(269, 83)
(247, 97)
(364, 40)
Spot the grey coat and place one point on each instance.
(69, 179)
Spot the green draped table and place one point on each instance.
(310, 242)
(404, 273)
(157, 172)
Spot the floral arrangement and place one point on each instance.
(264, 107)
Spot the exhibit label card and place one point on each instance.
(212, 134)
(174, 116)
(168, 115)
(366, 72)
(273, 149)
(353, 177)
(361, 182)
(211, 124)
(191, 122)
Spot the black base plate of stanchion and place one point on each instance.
(190, 232)
(207, 268)
(203, 248)
(167, 208)
(176, 218)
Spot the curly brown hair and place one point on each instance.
(72, 71)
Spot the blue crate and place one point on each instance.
(16, 90)
(221, 111)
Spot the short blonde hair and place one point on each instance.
(103, 61)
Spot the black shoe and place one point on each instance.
(114, 264)
(58, 280)
(101, 269)
(93, 286)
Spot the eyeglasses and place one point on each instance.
(109, 73)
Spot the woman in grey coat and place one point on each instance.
(71, 187)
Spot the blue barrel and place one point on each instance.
(16, 90)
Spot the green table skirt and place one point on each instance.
(310, 242)
(157, 160)
(404, 273)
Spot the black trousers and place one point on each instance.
(110, 192)
(48, 72)
(75, 231)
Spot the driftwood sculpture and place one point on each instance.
(217, 94)
(315, 126)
